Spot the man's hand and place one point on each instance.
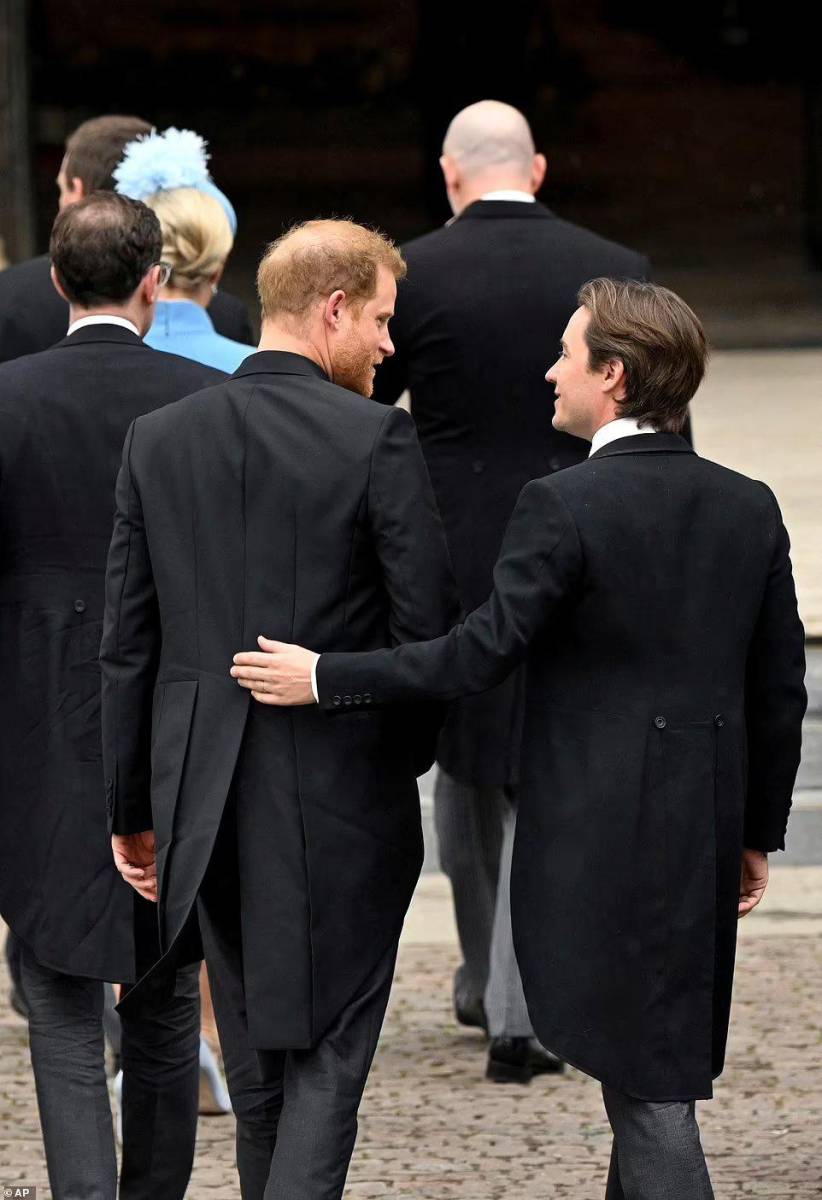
(276, 674)
(134, 858)
(753, 881)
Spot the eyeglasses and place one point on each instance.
(165, 273)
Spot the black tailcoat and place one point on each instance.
(478, 322)
(276, 503)
(63, 416)
(650, 594)
(33, 316)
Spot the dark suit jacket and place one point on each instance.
(63, 416)
(276, 503)
(478, 323)
(650, 594)
(33, 316)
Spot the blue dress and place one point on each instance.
(183, 327)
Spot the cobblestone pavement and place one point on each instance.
(431, 1128)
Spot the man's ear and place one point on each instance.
(614, 378)
(538, 169)
(450, 173)
(333, 308)
(57, 286)
(148, 288)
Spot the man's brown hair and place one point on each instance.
(658, 339)
(316, 258)
(102, 246)
(96, 148)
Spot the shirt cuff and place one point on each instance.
(316, 694)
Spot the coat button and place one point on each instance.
(478, 466)
(366, 698)
(660, 722)
(358, 699)
(347, 701)
(555, 464)
(719, 720)
(337, 701)
(79, 606)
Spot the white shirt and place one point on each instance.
(510, 194)
(620, 428)
(103, 319)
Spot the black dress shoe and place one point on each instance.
(471, 1013)
(542, 1061)
(509, 1060)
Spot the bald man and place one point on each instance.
(282, 502)
(478, 320)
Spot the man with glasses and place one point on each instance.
(33, 316)
(64, 413)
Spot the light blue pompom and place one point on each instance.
(157, 162)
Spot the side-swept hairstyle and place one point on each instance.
(658, 339)
(317, 258)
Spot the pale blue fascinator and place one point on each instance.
(158, 162)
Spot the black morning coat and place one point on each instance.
(64, 414)
(33, 316)
(650, 594)
(276, 503)
(478, 322)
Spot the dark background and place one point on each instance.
(687, 131)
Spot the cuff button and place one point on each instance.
(337, 701)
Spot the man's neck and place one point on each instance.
(126, 312)
(477, 188)
(617, 427)
(274, 337)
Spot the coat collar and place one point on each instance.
(489, 209)
(279, 362)
(100, 333)
(645, 443)
(182, 316)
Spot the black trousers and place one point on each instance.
(160, 1054)
(657, 1153)
(296, 1110)
(160, 1057)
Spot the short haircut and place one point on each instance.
(490, 135)
(197, 237)
(657, 338)
(317, 258)
(96, 148)
(102, 247)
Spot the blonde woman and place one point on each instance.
(169, 171)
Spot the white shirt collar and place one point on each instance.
(510, 194)
(102, 319)
(620, 428)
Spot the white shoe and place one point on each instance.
(214, 1097)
